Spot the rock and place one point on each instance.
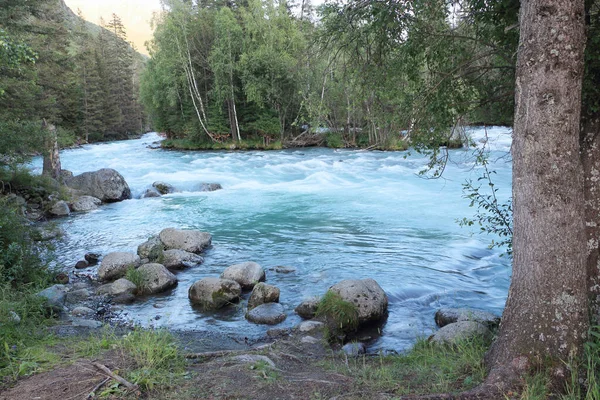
(55, 297)
(308, 308)
(80, 285)
(152, 249)
(81, 264)
(445, 316)
(180, 259)
(77, 296)
(60, 209)
(150, 193)
(122, 286)
(275, 333)
(268, 314)
(253, 359)
(309, 326)
(246, 274)
(214, 293)
(65, 174)
(159, 305)
(85, 203)
(310, 340)
(61, 278)
(14, 317)
(281, 269)
(210, 187)
(92, 258)
(114, 265)
(263, 293)
(461, 330)
(43, 234)
(188, 240)
(86, 323)
(125, 298)
(156, 278)
(369, 298)
(354, 349)
(82, 311)
(105, 184)
(163, 188)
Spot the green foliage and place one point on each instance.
(334, 140)
(341, 316)
(137, 277)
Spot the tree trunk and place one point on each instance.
(546, 311)
(51, 165)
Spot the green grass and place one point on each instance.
(136, 277)
(340, 315)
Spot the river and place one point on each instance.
(330, 214)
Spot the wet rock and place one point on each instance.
(214, 293)
(308, 308)
(82, 311)
(179, 259)
(253, 359)
(122, 286)
(60, 209)
(281, 269)
(81, 264)
(247, 274)
(159, 305)
(152, 249)
(77, 296)
(150, 193)
(61, 278)
(105, 184)
(461, 330)
(263, 293)
(188, 240)
(156, 278)
(369, 298)
(354, 349)
(55, 297)
(114, 265)
(309, 326)
(85, 203)
(268, 314)
(163, 187)
(125, 298)
(210, 187)
(445, 316)
(92, 258)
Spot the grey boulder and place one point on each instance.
(150, 193)
(163, 188)
(189, 240)
(263, 293)
(214, 293)
(267, 314)
(179, 259)
(60, 209)
(105, 184)
(445, 316)
(114, 265)
(366, 294)
(156, 278)
(462, 330)
(152, 249)
(117, 288)
(308, 308)
(85, 203)
(210, 187)
(55, 297)
(247, 274)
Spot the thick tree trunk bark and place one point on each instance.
(51, 166)
(546, 311)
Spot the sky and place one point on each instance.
(135, 14)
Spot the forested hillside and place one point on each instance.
(77, 76)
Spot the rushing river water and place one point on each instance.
(330, 214)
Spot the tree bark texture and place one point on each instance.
(546, 311)
(51, 164)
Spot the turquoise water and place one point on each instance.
(331, 214)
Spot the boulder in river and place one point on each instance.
(308, 308)
(210, 187)
(92, 258)
(263, 293)
(156, 278)
(152, 249)
(149, 193)
(114, 265)
(163, 187)
(214, 293)
(81, 264)
(60, 209)
(366, 294)
(179, 259)
(106, 184)
(445, 316)
(85, 203)
(117, 288)
(247, 274)
(268, 314)
(461, 330)
(189, 240)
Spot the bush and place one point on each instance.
(334, 140)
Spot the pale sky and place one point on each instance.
(135, 14)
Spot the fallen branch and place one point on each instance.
(96, 388)
(114, 376)
(223, 353)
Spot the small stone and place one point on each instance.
(82, 311)
(92, 258)
(310, 340)
(14, 317)
(308, 308)
(281, 269)
(309, 326)
(268, 314)
(460, 330)
(81, 264)
(86, 323)
(354, 349)
(262, 294)
(159, 305)
(76, 296)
